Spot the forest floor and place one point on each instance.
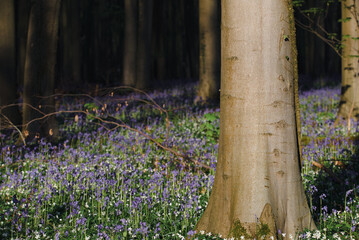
(141, 166)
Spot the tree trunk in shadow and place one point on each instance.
(209, 56)
(143, 52)
(130, 39)
(70, 13)
(8, 64)
(40, 63)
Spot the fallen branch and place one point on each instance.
(327, 170)
(181, 157)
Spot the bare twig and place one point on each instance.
(16, 128)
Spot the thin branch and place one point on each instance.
(13, 125)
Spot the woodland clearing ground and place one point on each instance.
(109, 185)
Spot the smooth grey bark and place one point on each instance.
(257, 175)
(349, 99)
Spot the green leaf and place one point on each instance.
(210, 117)
(344, 19)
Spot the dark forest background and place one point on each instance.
(52, 47)
(91, 39)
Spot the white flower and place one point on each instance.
(37, 235)
(308, 234)
(180, 236)
(242, 237)
(317, 234)
(201, 232)
(336, 236)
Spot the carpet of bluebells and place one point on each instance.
(107, 181)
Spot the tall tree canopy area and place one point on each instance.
(349, 100)
(317, 21)
(257, 172)
(39, 78)
(209, 56)
(8, 62)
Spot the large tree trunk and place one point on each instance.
(257, 171)
(40, 67)
(8, 62)
(209, 56)
(349, 100)
(143, 53)
(129, 50)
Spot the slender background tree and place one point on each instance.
(209, 53)
(143, 48)
(130, 40)
(349, 101)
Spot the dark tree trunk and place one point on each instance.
(158, 41)
(143, 53)
(22, 9)
(209, 57)
(130, 39)
(40, 68)
(8, 63)
(71, 42)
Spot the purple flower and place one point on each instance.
(191, 233)
(57, 236)
(322, 196)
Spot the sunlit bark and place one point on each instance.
(349, 101)
(257, 176)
